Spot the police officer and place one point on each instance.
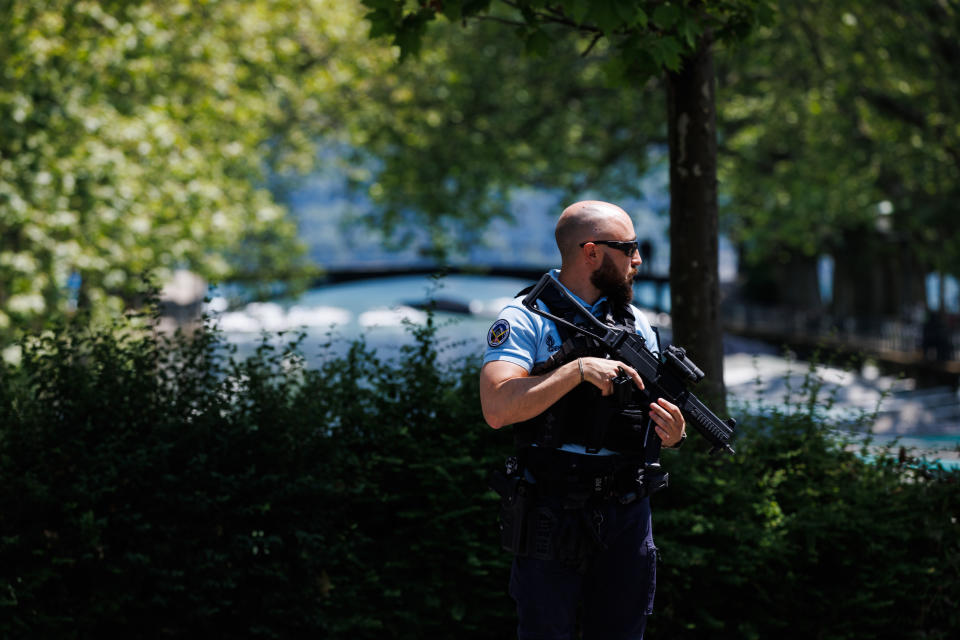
(583, 533)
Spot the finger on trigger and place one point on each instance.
(636, 377)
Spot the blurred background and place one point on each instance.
(278, 153)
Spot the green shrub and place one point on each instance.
(161, 489)
(167, 489)
(800, 535)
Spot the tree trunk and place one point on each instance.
(856, 295)
(798, 284)
(910, 301)
(876, 278)
(694, 276)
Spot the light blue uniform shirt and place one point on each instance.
(526, 339)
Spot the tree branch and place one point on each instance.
(506, 21)
(555, 16)
(898, 109)
(593, 42)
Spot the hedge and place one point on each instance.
(161, 488)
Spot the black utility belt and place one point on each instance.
(563, 473)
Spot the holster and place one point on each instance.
(529, 528)
(514, 507)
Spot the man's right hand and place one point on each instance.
(601, 372)
(509, 394)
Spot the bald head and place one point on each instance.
(585, 221)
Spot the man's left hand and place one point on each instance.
(668, 422)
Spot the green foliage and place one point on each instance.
(505, 95)
(836, 123)
(673, 27)
(799, 536)
(640, 40)
(158, 489)
(136, 137)
(473, 118)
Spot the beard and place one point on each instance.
(617, 288)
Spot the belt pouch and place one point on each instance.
(541, 535)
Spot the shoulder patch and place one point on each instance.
(499, 332)
(552, 344)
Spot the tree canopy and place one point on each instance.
(582, 111)
(649, 35)
(138, 137)
(135, 138)
(839, 126)
(474, 118)
(645, 39)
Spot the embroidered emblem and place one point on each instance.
(552, 344)
(498, 333)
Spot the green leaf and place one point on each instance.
(666, 52)
(666, 15)
(473, 7)
(625, 12)
(641, 18)
(576, 9)
(410, 35)
(689, 29)
(452, 9)
(581, 8)
(604, 15)
(381, 23)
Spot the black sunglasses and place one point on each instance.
(628, 248)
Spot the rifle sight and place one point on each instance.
(677, 358)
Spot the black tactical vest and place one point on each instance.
(584, 416)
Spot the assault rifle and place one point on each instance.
(668, 378)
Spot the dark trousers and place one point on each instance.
(616, 584)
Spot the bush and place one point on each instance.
(160, 488)
(800, 535)
(163, 489)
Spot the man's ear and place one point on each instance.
(591, 255)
